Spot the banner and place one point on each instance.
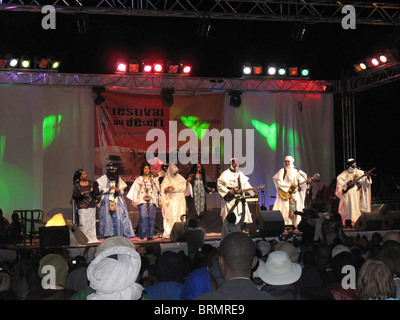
(129, 126)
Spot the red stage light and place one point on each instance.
(133, 66)
(147, 67)
(173, 68)
(186, 69)
(257, 70)
(43, 63)
(121, 67)
(293, 71)
(3, 63)
(158, 66)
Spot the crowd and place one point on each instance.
(241, 268)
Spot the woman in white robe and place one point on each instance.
(174, 188)
(283, 180)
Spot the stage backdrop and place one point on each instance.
(46, 133)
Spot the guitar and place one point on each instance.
(293, 189)
(237, 193)
(353, 182)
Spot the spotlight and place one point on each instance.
(282, 70)
(55, 65)
(3, 62)
(41, 63)
(99, 99)
(360, 66)
(383, 58)
(257, 70)
(11, 61)
(305, 71)
(235, 100)
(121, 65)
(293, 71)
(158, 66)
(167, 97)
(133, 66)
(173, 67)
(25, 62)
(185, 67)
(271, 70)
(247, 69)
(146, 66)
(372, 62)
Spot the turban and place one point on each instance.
(113, 273)
(60, 265)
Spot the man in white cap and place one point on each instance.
(354, 196)
(287, 181)
(228, 181)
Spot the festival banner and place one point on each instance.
(128, 126)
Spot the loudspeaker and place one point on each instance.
(54, 236)
(391, 220)
(272, 223)
(177, 232)
(368, 221)
(76, 236)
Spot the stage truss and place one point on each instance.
(182, 84)
(316, 11)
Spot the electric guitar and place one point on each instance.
(293, 189)
(237, 193)
(352, 183)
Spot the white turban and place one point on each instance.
(115, 279)
(290, 159)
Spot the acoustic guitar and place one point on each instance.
(293, 189)
(237, 192)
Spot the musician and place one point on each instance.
(197, 204)
(86, 195)
(114, 218)
(145, 194)
(289, 179)
(354, 195)
(228, 181)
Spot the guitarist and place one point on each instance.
(353, 188)
(228, 181)
(288, 179)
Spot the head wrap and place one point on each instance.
(112, 171)
(60, 265)
(113, 273)
(290, 159)
(350, 162)
(173, 178)
(114, 241)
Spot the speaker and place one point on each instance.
(177, 232)
(76, 236)
(54, 236)
(272, 223)
(391, 220)
(368, 221)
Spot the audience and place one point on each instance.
(240, 269)
(236, 260)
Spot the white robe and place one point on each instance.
(229, 179)
(356, 199)
(174, 202)
(283, 181)
(137, 191)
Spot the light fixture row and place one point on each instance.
(273, 70)
(375, 61)
(158, 66)
(25, 63)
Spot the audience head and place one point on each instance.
(392, 235)
(231, 217)
(170, 267)
(279, 269)
(237, 255)
(290, 250)
(114, 242)
(60, 266)
(375, 281)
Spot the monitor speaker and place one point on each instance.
(272, 223)
(368, 221)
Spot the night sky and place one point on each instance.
(327, 49)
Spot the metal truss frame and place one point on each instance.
(154, 82)
(307, 11)
(374, 77)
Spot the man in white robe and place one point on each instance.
(230, 179)
(290, 177)
(355, 199)
(174, 188)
